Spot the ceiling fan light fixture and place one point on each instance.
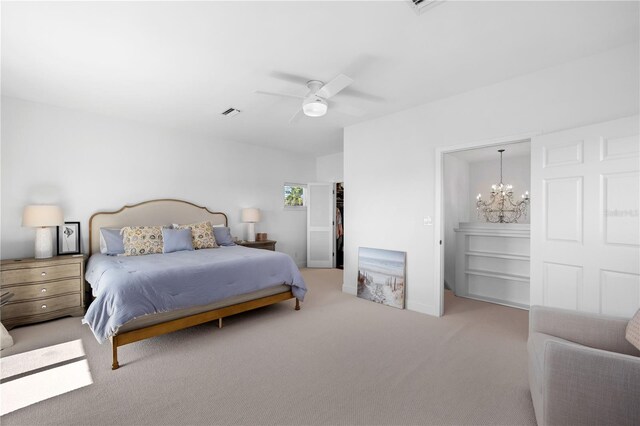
(314, 107)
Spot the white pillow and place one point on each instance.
(112, 244)
(103, 244)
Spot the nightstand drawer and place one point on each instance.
(38, 274)
(42, 306)
(48, 289)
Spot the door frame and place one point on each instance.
(439, 204)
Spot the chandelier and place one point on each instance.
(501, 208)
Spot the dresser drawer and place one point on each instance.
(48, 289)
(45, 273)
(42, 306)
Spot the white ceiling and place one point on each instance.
(517, 149)
(180, 64)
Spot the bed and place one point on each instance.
(138, 297)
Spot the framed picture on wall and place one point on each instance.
(68, 237)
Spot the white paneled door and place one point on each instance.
(320, 232)
(585, 223)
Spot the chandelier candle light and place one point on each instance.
(501, 208)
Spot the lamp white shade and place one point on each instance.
(42, 215)
(251, 215)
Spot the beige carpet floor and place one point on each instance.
(340, 360)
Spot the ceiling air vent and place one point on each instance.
(420, 6)
(231, 112)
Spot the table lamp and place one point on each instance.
(42, 218)
(251, 216)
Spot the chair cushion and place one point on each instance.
(633, 330)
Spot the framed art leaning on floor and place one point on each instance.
(381, 276)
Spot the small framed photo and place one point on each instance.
(69, 238)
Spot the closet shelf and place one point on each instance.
(492, 262)
(498, 301)
(502, 276)
(496, 255)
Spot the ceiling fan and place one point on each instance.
(315, 102)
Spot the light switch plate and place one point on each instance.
(428, 221)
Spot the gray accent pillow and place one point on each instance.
(176, 240)
(633, 330)
(111, 241)
(223, 236)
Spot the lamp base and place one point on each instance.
(44, 246)
(251, 232)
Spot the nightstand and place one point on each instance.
(265, 245)
(43, 289)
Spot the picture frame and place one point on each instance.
(68, 238)
(382, 276)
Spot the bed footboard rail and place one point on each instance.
(193, 320)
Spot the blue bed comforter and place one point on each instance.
(129, 287)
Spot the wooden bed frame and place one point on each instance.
(159, 212)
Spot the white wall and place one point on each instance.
(390, 162)
(457, 198)
(88, 163)
(330, 168)
(482, 174)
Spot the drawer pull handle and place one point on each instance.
(44, 306)
(44, 290)
(43, 274)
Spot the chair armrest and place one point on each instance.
(593, 330)
(584, 386)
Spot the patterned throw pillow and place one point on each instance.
(140, 240)
(202, 234)
(633, 330)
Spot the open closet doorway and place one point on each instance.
(325, 225)
(339, 221)
(485, 223)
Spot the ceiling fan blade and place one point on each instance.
(291, 78)
(296, 117)
(282, 95)
(333, 87)
(354, 93)
(348, 109)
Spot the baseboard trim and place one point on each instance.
(351, 289)
(411, 306)
(422, 308)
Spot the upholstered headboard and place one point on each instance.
(153, 212)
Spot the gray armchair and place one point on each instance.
(582, 370)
